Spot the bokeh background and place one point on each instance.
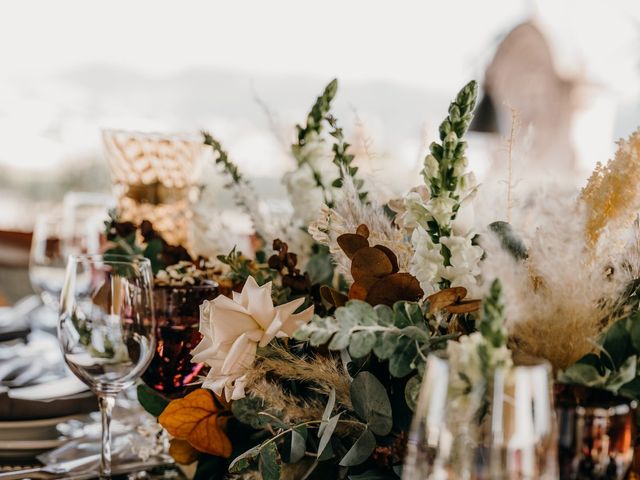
(568, 72)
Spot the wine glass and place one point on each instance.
(55, 237)
(106, 328)
(501, 429)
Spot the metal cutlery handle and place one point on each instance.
(21, 474)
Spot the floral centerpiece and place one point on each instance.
(316, 352)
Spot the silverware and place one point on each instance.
(54, 469)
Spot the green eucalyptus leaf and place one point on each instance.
(411, 391)
(385, 315)
(360, 451)
(386, 344)
(327, 433)
(270, 461)
(328, 409)
(361, 343)
(625, 374)
(371, 403)
(617, 344)
(340, 340)
(401, 362)
(244, 461)
(298, 444)
(584, 374)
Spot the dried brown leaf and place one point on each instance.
(350, 243)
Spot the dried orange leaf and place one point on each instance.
(350, 243)
(391, 256)
(370, 262)
(393, 288)
(197, 419)
(363, 230)
(446, 297)
(182, 451)
(466, 306)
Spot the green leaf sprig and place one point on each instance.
(344, 160)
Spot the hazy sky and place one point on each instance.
(424, 43)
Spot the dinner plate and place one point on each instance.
(10, 449)
(30, 430)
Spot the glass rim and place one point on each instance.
(112, 258)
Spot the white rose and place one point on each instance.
(233, 329)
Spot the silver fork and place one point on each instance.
(54, 469)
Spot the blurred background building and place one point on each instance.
(248, 71)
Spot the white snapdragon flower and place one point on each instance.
(411, 208)
(464, 262)
(306, 198)
(427, 261)
(431, 167)
(460, 166)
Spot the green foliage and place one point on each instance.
(320, 266)
(317, 114)
(492, 327)
(344, 160)
(361, 450)
(450, 152)
(371, 403)
(269, 462)
(509, 240)
(241, 268)
(152, 401)
(615, 367)
(227, 165)
(400, 335)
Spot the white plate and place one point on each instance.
(31, 430)
(27, 448)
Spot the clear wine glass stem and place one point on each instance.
(106, 402)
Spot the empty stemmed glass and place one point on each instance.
(106, 328)
(55, 237)
(506, 431)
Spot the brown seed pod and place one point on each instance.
(350, 243)
(370, 262)
(465, 306)
(393, 288)
(446, 297)
(391, 256)
(333, 297)
(363, 231)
